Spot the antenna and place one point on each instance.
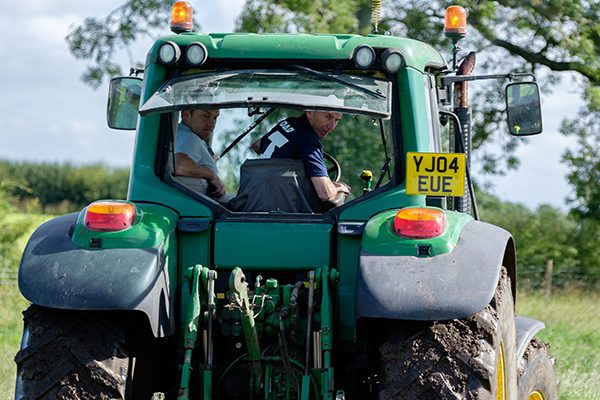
(376, 14)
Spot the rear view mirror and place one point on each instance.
(123, 102)
(523, 108)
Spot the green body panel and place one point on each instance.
(380, 239)
(154, 227)
(151, 228)
(272, 245)
(348, 252)
(413, 111)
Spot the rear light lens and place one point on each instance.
(419, 223)
(109, 216)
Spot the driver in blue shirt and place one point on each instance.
(300, 138)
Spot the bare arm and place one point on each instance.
(328, 190)
(185, 166)
(256, 146)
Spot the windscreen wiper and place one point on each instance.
(247, 131)
(339, 80)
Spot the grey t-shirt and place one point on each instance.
(187, 142)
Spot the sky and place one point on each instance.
(48, 114)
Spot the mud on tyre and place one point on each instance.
(72, 355)
(536, 373)
(469, 358)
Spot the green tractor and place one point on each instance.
(398, 292)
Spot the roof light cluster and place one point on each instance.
(365, 57)
(195, 53)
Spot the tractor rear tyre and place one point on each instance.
(536, 374)
(71, 355)
(467, 358)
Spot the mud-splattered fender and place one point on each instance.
(55, 272)
(453, 285)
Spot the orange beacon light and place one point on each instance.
(181, 17)
(455, 22)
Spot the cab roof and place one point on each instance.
(283, 46)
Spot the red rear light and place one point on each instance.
(419, 223)
(109, 216)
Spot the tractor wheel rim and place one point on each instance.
(537, 395)
(501, 376)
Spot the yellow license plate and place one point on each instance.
(435, 174)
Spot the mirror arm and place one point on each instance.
(448, 80)
(456, 121)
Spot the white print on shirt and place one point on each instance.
(286, 127)
(277, 140)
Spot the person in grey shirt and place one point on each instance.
(193, 156)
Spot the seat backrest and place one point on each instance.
(274, 185)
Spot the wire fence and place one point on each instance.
(549, 277)
(534, 277)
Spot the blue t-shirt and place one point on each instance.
(295, 138)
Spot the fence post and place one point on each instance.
(548, 277)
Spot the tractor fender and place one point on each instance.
(526, 329)
(54, 272)
(451, 285)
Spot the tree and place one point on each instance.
(99, 39)
(543, 234)
(511, 35)
(584, 161)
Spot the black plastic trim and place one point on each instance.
(453, 285)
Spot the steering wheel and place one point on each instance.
(333, 167)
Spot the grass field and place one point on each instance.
(10, 336)
(572, 321)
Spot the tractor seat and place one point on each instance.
(275, 185)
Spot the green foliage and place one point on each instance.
(65, 186)
(540, 235)
(584, 161)
(98, 39)
(305, 16)
(571, 242)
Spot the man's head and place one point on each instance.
(323, 122)
(201, 122)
